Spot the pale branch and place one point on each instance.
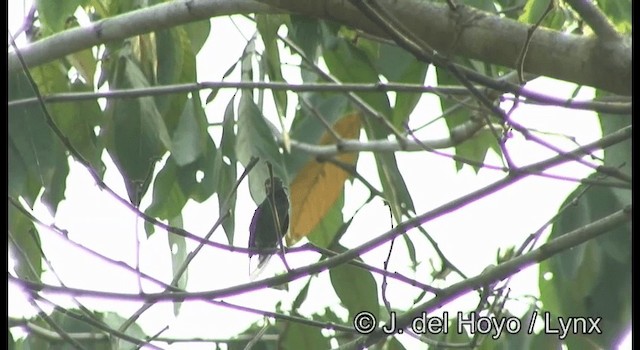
(458, 135)
(490, 38)
(56, 327)
(421, 50)
(533, 97)
(504, 270)
(351, 254)
(474, 163)
(126, 25)
(97, 324)
(51, 336)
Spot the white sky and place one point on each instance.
(469, 236)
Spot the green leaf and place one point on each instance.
(306, 126)
(617, 156)
(174, 185)
(351, 65)
(397, 65)
(393, 185)
(72, 325)
(114, 321)
(476, 148)
(268, 26)
(139, 134)
(200, 189)
(593, 279)
(306, 33)
(35, 151)
(176, 63)
(198, 32)
(452, 336)
(393, 344)
(411, 249)
(225, 172)
(54, 193)
(618, 12)
(25, 244)
(533, 11)
(300, 336)
(78, 123)
(356, 288)
(54, 14)
(17, 172)
(190, 137)
(256, 139)
(178, 249)
(302, 296)
(168, 199)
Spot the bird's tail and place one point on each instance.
(262, 264)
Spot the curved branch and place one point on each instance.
(595, 18)
(485, 37)
(534, 97)
(145, 20)
(502, 271)
(458, 135)
(350, 254)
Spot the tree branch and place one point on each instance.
(612, 107)
(597, 20)
(489, 38)
(502, 271)
(350, 254)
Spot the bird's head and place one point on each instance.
(277, 184)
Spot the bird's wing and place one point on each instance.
(252, 227)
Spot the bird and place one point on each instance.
(270, 220)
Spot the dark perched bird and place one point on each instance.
(270, 220)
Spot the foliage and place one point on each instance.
(170, 150)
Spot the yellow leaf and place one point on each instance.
(317, 185)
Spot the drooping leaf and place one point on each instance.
(78, 123)
(300, 336)
(476, 148)
(138, 134)
(226, 173)
(617, 156)
(54, 14)
(190, 136)
(351, 65)
(306, 33)
(618, 12)
(114, 321)
(399, 66)
(256, 139)
(175, 185)
(24, 242)
(268, 26)
(356, 288)
(35, 151)
(176, 64)
(307, 126)
(178, 249)
(394, 188)
(579, 281)
(198, 33)
(318, 185)
(324, 232)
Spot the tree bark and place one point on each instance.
(467, 32)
